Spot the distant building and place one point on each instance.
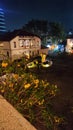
(17, 44)
(2, 22)
(69, 46)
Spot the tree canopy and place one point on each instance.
(44, 29)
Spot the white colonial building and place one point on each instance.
(19, 43)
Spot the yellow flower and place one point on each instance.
(11, 85)
(30, 75)
(12, 90)
(36, 86)
(31, 103)
(21, 100)
(36, 81)
(56, 119)
(55, 86)
(15, 76)
(46, 84)
(42, 81)
(22, 75)
(4, 83)
(1, 87)
(4, 64)
(52, 93)
(41, 102)
(26, 86)
(18, 65)
(2, 90)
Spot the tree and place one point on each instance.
(57, 31)
(45, 30)
(39, 27)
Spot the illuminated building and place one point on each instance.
(69, 46)
(17, 44)
(2, 22)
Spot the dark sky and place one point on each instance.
(19, 12)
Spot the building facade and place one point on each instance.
(69, 46)
(17, 46)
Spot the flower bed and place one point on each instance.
(29, 95)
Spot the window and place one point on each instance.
(38, 52)
(21, 43)
(72, 47)
(14, 44)
(7, 53)
(27, 43)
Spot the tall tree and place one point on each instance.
(46, 29)
(39, 27)
(57, 30)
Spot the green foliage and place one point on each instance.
(46, 29)
(28, 94)
(57, 31)
(37, 26)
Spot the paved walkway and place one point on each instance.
(10, 119)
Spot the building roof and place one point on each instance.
(10, 35)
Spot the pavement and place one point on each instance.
(11, 119)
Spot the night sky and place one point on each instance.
(19, 12)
